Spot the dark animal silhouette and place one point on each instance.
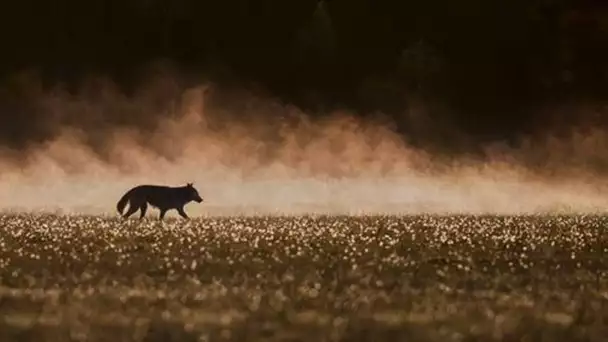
(161, 197)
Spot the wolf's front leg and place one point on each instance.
(182, 213)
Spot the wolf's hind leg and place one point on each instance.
(143, 209)
(131, 211)
(162, 214)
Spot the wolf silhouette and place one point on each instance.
(162, 197)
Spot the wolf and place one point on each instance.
(162, 197)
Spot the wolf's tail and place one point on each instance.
(122, 203)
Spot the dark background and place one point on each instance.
(492, 63)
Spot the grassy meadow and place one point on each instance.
(305, 278)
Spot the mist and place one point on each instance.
(250, 153)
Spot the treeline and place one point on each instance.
(491, 60)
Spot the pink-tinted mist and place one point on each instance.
(251, 154)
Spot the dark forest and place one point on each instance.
(497, 66)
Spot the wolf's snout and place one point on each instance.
(198, 199)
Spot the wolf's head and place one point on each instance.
(193, 194)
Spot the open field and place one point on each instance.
(325, 278)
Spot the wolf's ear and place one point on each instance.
(189, 184)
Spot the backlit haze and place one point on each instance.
(279, 161)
